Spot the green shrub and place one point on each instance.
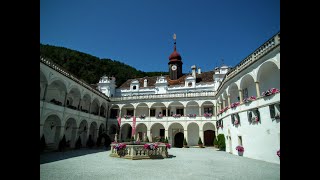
(200, 141)
(166, 140)
(185, 142)
(215, 142)
(221, 142)
(78, 143)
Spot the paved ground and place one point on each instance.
(190, 163)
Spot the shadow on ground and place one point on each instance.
(57, 156)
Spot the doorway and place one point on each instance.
(178, 140)
(209, 136)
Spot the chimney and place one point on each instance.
(199, 70)
(145, 83)
(194, 70)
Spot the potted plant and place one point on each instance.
(200, 143)
(166, 140)
(185, 144)
(240, 150)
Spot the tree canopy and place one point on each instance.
(90, 68)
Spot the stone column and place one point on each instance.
(119, 134)
(41, 130)
(89, 108)
(224, 103)
(166, 134)
(45, 92)
(167, 112)
(215, 110)
(184, 111)
(99, 111)
(79, 104)
(201, 135)
(149, 112)
(229, 101)
(134, 112)
(199, 110)
(185, 134)
(119, 115)
(65, 99)
(240, 95)
(149, 135)
(258, 89)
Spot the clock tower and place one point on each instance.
(175, 63)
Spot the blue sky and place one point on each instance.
(139, 32)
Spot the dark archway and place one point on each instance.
(178, 140)
(209, 137)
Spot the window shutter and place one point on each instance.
(250, 116)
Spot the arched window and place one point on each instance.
(190, 84)
(134, 87)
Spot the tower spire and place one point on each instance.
(174, 38)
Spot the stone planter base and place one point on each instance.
(136, 152)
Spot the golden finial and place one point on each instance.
(174, 36)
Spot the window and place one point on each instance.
(113, 113)
(245, 93)
(130, 112)
(152, 112)
(208, 110)
(190, 84)
(134, 87)
(240, 140)
(272, 111)
(162, 132)
(164, 112)
(249, 115)
(179, 111)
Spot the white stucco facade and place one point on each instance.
(168, 111)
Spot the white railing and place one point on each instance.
(258, 103)
(253, 57)
(163, 96)
(70, 76)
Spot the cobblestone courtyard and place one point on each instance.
(190, 163)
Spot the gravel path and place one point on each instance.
(190, 163)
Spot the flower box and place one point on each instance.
(176, 115)
(270, 92)
(240, 149)
(255, 119)
(142, 116)
(127, 116)
(234, 105)
(249, 99)
(152, 146)
(191, 115)
(207, 115)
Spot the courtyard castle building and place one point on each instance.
(238, 102)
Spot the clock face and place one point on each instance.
(174, 67)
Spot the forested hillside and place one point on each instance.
(91, 68)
